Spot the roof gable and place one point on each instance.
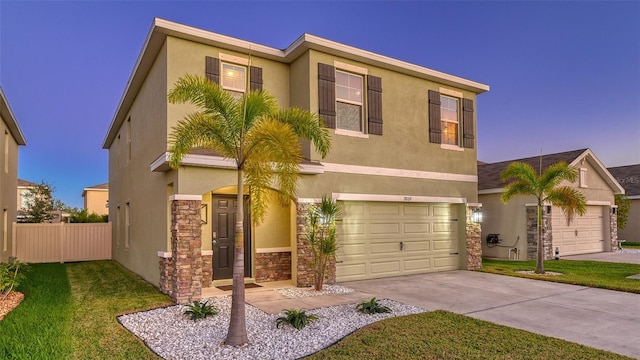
(10, 120)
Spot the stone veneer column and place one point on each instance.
(166, 272)
(473, 240)
(613, 227)
(186, 248)
(532, 233)
(207, 268)
(304, 255)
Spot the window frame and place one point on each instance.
(363, 131)
(223, 76)
(458, 142)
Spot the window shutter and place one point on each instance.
(374, 104)
(327, 94)
(435, 128)
(255, 78)
(212, 69)
(468, 136)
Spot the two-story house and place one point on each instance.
(96, 199)
(11, 138)
(402, 165)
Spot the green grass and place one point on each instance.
(597, 274)
(445, 335)
(69, 312)
(633, 245)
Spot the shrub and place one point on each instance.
(11, 274)
(200, 310)
(372, 307)
(296, 318)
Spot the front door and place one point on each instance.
(224, 230)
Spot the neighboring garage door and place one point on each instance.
(584, 235)
(379, 239)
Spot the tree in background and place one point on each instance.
(624, 206)
(40, 203)
(83, 216)
(321, 234)
(546, 189)
(263, 141)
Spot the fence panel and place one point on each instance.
(41, 243)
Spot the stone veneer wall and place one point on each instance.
(186, 251)
(473, 241)
(166, 274)
(532, 233)
(613, 223)
(207, 270)
(273, 266)
(305, 256)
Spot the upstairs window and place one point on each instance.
(234, 79)
(449, 118)
(349, 101)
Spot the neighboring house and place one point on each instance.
(96, 199)
(629, 178)
(11, 138)
(516, 221)
(402, 165)
(24, 189)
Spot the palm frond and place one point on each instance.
(556, 173)
(308, 126)
(258, 104)
(517, 188)
(520, 171)
(570, 200)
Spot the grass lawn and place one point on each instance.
(578, 272)
(632, 245)
(69, 312)
(445, 335)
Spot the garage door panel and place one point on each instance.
(585, 234)
(391, 239)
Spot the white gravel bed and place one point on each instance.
(628, 251)
(532, 272)
(299, 292)
(173, 335)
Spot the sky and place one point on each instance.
(563, 75)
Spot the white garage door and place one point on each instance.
(379, 239)
(584, 235)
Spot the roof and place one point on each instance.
(25, 183)
(489, 174)
(160, 29)
(10, 120)
(629, 177)
(99, 187)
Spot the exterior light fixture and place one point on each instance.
(476, 215)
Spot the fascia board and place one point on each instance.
(10, 120)
(601, 169)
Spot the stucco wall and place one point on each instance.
(509, 220)
(631, 232)
(8, 189)
(95, 201)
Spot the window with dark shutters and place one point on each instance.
(468, 137)
(327, 94)
(255, 78)
(434, 117)
(212, 69)
(374, 104)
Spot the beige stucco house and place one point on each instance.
(25, 187)
(629, 177)
(515, 222)
(11, 138)
(96, 199)
(402, 164)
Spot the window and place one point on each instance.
(128, 139)
(6, 151)
(449, 118)
(349, 101)
(127, 226)
(5, 238)
(234, 79)
(583, 178)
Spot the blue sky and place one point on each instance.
(563, 75)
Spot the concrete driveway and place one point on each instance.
(603, 319)
(631, 256)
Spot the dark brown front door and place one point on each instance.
(224, 230)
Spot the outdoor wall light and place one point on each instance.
(476, 215)
(548, 207)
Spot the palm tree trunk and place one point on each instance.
(237, 334)
(540, 255)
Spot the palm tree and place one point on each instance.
(264, 142)
(546, 188)
(321, 234)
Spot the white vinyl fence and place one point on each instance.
(43, 243)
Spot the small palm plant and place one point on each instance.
(321, 234)
(200, 310)
(372, 307)
(296, 318)
(11, 275)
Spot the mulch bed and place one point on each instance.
(11, 302)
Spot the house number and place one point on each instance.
(407, 198)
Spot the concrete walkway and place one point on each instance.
(603, 319)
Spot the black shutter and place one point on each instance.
(374, 104)
(327, 94)
(468, 136)
(435, 127)
(212, 69)
(255, 78)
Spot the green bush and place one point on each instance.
(296, 318)
(372, 307)
(11, 274)
(200, 310)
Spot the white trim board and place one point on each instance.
(398, 198)
(379, 171)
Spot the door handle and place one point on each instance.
(401, 246)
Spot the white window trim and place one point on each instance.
(458, 145)
(233, 59)
(451, 147)
(450, 92)
(350, 68)
(358, 134)
(583, 178)
(351, 102)
(225, 87)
